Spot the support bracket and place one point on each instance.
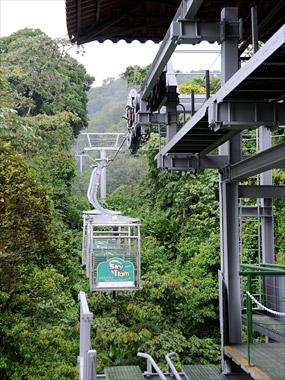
(245, 114)
(176, 161)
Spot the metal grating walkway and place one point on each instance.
(268, 359)
(268, 326)
(202, 372)
(123, 373)
(270, 323)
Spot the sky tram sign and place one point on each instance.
(115, 272)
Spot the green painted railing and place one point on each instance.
(262, 271)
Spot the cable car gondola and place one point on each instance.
(111, 244)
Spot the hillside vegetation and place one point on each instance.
(43, 94)
(42, 195)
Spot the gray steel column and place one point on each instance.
(103, 177)
(267, 222)
(230, 259)
(229, 219)
(80, 163)
(171, 107)
(268, 255)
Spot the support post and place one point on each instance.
(80, 163)
(207, 82)
(230, 258)
(229, 218)
(85, 344)
(267, 224)
(171, 107)
(103, 177)
(192, 102)
(254, 29)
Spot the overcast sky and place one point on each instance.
(101, 60)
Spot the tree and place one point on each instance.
(135, 75)
(44, 78)
(39, 254)
(26, 219)
(199, 86)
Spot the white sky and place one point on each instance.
(101, 60)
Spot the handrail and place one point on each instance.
(264, 267)
(151, 362)
(171, 367)
(280, 266)
(264, 307)
(260, 271)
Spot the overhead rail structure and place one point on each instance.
(103, 143)
(251, 101)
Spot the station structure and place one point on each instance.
(249, 105)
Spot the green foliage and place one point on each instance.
(5, 42)
(279, 218)
(37, 324)
(109, 119)
(40, 242)
(113, 91)
(37, 312)
(135, 75)
(43, 77)
(26, 232)
(162, 317)
(40, 237)
(177, 308)
(199, 86)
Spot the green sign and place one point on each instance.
(115, 272)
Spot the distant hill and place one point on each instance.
(112, 91)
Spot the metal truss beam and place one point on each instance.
(148, 118)
(271, 46)
(272, 158)
(245, 114)
(254, 211)
(261, 191)
(191, 161)
(177, 34)
(236, 113)
(184, 105)
(98, 148)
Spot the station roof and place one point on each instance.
(142, 20)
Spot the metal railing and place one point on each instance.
(87, 357)
(151, 364)
(251, 271)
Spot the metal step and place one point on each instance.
(131, 372)
(205, 372)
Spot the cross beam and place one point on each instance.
(272, 158)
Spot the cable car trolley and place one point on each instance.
(111, 244)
